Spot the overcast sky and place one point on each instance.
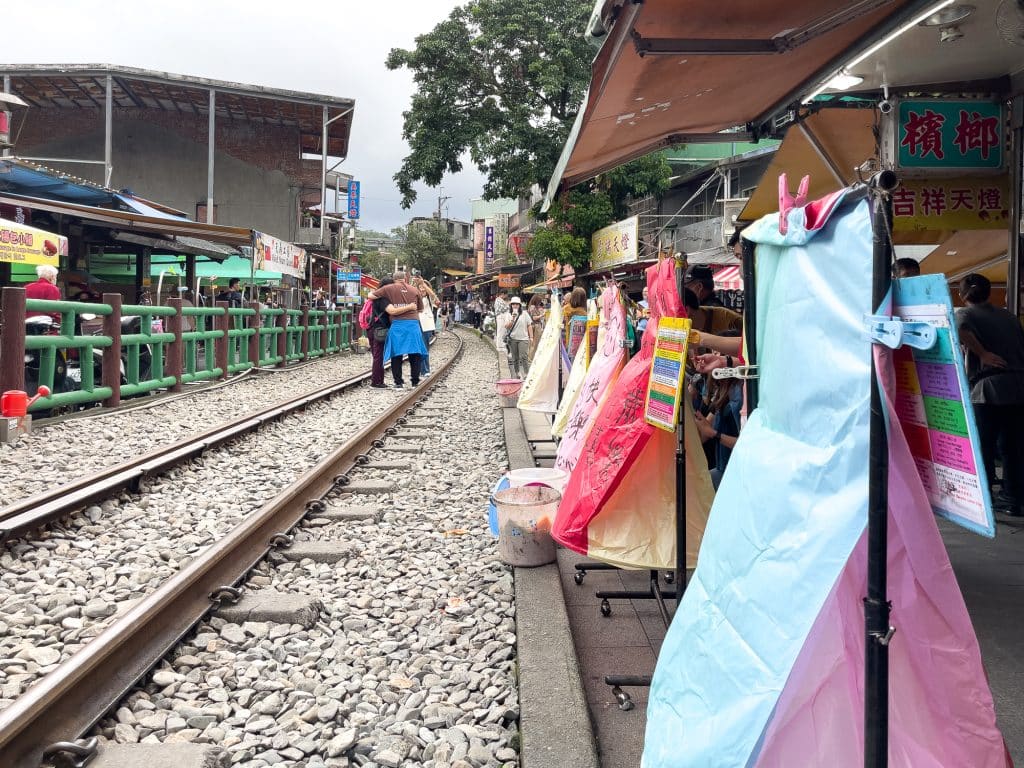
(336, 48)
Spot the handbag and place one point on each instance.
(380, 334)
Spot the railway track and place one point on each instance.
(24, 515)
(46, 721)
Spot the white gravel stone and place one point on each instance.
(412, 661)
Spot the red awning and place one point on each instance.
(369, 282)
(681, 71)
(729, 279)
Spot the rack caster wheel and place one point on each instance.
(670, 578)
(579, 576)
(606, 608)
(623, 698)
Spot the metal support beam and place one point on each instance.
(108, 133)
(7, 89)
(323, 185)
(1014, 276)
(211, 146)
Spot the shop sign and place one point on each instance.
(274, 255)
(518, 244)
(500, 235)
(665, 385)
(615, 244)
(348, 286)
(509, 281)
(19, 214)
(353, 199)
(20, 244)
(933, 407)
(955, 134)
(960, 203)
(489, 245)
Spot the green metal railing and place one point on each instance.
(136, 380)
(200, 360)
(53, 353)
(172, 346)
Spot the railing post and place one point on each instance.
(323, 333)
(305, 333)
(282, 338)
(255, 322)
(12, 340)
(112, 354)
(175, 360)
(220, 344)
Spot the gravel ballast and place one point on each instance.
(60, 586)
(412, 660)
(59, 451)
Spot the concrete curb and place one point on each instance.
(554, 720)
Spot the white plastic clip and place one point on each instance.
(895, 333)
(739, 372)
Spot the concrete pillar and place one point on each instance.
(12, 339)
(211, 145)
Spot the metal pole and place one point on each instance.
(8, 113)
(1013, 277)
(211, 142)
(108, 133)
(876, 604)
(323, 180)
(750, 318)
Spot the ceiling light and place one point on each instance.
(931, 11)
(950, 34)
(844, 81)
(946, 16)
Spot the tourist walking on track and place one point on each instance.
(518, 337)
(405, 337)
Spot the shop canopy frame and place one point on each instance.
(664, 77)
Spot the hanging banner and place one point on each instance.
(615, 244)
(488, 244)
(958, 203)
(933, 405)
(275, 255)
(20, 244)
(668, 366)
(353, 199)
(348, 286)
(500, 236)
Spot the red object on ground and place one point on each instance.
(15, 403)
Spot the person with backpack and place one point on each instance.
(377, 331)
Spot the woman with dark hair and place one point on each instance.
(575, 321)
(994, 341)
(378, 334)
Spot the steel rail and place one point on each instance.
(24, 515)
(69, 701)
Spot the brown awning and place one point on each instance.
(675, 71)
(971, 250)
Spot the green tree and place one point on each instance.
(578, 213)
(426, 247)
(502, 80)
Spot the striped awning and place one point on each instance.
(729, 279)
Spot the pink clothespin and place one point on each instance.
(787, 202)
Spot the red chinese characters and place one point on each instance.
(923, 133)
(976, 132)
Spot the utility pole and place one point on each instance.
(441, 200)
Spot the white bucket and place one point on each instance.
(525, 516)
(549, 476)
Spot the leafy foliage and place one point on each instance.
(427, 248)
(501, 79)
(580, 212)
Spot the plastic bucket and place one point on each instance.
(525, 516)
(549, 476)
(14, 403)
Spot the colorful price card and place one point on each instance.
(665, 386)
(933, 406)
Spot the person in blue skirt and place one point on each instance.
(405, 337)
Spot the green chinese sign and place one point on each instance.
(950, 133)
